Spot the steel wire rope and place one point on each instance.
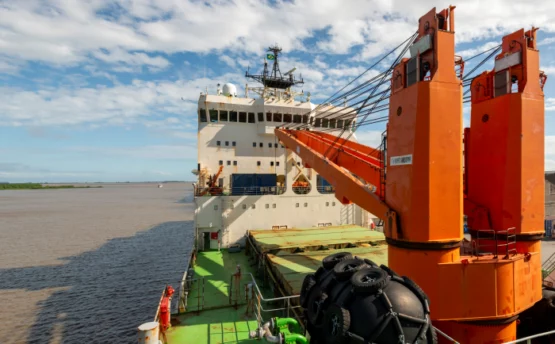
(391, 67)
(364, 84)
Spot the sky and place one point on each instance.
(105, 91)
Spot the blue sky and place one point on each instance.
(107, 90)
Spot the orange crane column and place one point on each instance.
(506, 167)
(424, 168)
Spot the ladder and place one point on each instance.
(548, 266)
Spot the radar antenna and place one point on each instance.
(275, 79)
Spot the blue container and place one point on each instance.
(252, 183)
(548, 228)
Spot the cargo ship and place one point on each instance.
(304, 235)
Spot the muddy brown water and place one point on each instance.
(89, 265)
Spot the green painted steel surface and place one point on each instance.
(216, 267)
(224, 325)
(299, 238)
(293, 267)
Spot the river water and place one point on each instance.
(89, 265)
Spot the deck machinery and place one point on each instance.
(429, 183)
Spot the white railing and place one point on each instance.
(527, 340)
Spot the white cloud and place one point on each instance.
(228, 61)
(474, 51)
(546, 41)
(549, 70)
(69, 32)
(118, 105)
(132, 59)
(549, 104)
(372, 138)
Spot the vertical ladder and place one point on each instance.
(548, 266)
(383, 163)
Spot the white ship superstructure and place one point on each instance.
(247, 179)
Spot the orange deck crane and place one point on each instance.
(474, 298)
(211, 184)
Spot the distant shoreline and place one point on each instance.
(38, 186)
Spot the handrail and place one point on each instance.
(445, 335)
(529, 338)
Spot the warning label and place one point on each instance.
(400, 160)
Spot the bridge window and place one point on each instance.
(233, 116)
(311, 120)
(332, 123)
(277, 117)
(297, 119)
(340, 124)
(287, 118)
(243, 117)
(251, 117)
(318, 122)
(325, 123)
(347, 124)
(268, 116)
(213, 116)
(223, 116)
(261, 116)
(305, 119)
(202, 115)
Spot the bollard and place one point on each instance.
(148, 333)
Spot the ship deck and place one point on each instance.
(217, 321)
(290, 254)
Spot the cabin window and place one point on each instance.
(325, 123)
(261, 116)
(317, 122)
(221, 182)
(353, 125)
(223, 116)
(333, 204)
(258, 163)
(305, 119)
(339, 124)
(213, 116)
(296, 205)
(274, 205)
(277, 117)
(327, 204)
(234, 143)
(261, 144)
(218, 143)
(254, 144)
(233, 116)
(202, 115)
(216, 207)
(267, 206)
(254, 206)
(270, 144)
(347, 124)
(268, 116)
(271, 163)
(306, 205)
(297, 119)
(243, 117)
(221, 162)
(275, 145)
(251, 117)
(287, 118)
(244, 206)
(228, 163)
(234, 162)
(227, 143)
(277, 163)
(332, 123)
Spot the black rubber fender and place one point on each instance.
(330, 261)
(369, 280)
(346, 268)
(336, 324)
(308, 283)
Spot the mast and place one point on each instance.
(274, 78)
